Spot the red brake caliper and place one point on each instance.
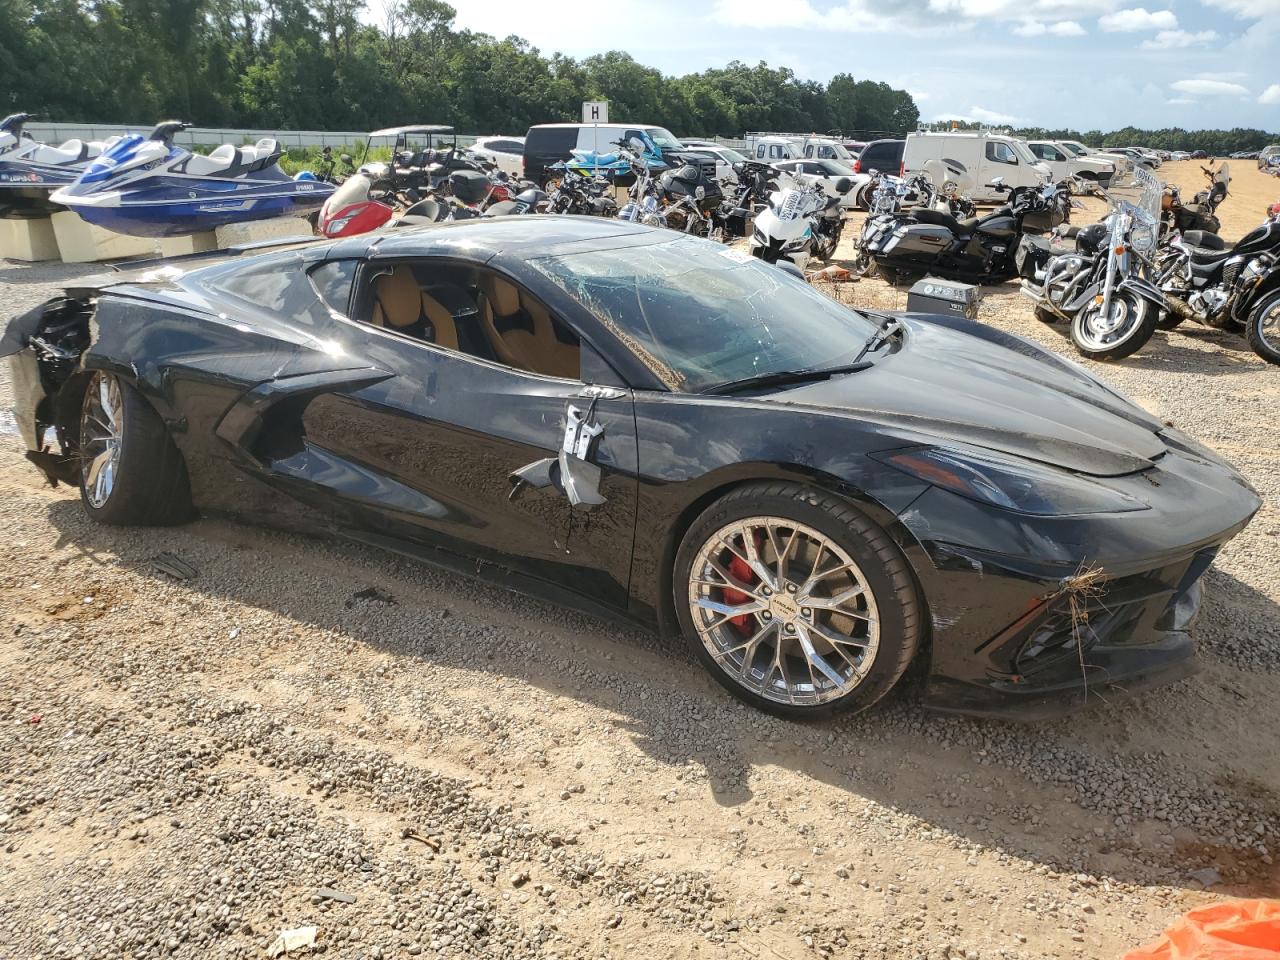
(742, 570)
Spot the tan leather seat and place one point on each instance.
(399, 302)
(539, 350)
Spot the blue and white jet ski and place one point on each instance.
(590, 163)
(147, 187)
(30, 170)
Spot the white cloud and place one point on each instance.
(1245, 8)
(1036, 18)
(1209, 88)
(1178, 39)
(979, 115)
(1271, 95)
(1139, 18)
(1176, 101)
(1036, 28)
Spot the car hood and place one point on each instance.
(943, 385)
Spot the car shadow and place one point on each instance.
(997, 784)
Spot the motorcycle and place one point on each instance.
(1218, 286)
(356, 207)
(328, 171)
(800, 222)
(689, 198)
(1219, 181)
(1102, 286)
(577, 193)
(894, 200)
(976, 250)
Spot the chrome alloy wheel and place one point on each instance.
(101, 432)
(1268, 327)
(784, 611)
(1100, 332)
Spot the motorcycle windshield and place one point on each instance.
(1140, 190)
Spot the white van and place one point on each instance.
(984, 155)
(770, 149)
(824, 148)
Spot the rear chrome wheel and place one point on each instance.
(130, 470)
(1263, 330)
(101, 436)
(795, 601)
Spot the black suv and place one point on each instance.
(884, 156)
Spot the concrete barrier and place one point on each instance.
(29, 240)
(81, 242)
(236, 234)
(182, 246)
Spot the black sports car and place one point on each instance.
(656, 427)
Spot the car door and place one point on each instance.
(432, 455)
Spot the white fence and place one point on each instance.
(212, 136)
(203, 136)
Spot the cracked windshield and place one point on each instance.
(700, 315)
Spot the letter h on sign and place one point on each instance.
(595, 111)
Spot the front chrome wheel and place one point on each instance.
(101, 435)
(1121, 330)
(784, 611)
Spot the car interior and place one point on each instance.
(475, 312)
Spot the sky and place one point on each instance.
(1085, 64)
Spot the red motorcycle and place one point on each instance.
(355, 207)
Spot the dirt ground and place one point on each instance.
(187, 767)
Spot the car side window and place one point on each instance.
(760, 151)
(471, 310)
(775, 151)
(333, 281)
(1038, 150)
(1001, 152)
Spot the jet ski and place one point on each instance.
(31, 170)
(147, 187)
(590, 163)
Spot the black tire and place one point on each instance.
(884, 571)
(1045, 315)
(1263, 328)
(1138, 329)
(1168, 320)
(150, 486)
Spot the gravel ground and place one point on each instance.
(436, 768)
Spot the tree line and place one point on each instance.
(1216, 143)
(312, 64)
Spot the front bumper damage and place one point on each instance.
(1037, 617)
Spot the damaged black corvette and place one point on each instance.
(655, 427)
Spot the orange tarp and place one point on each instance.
(1235, 930)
